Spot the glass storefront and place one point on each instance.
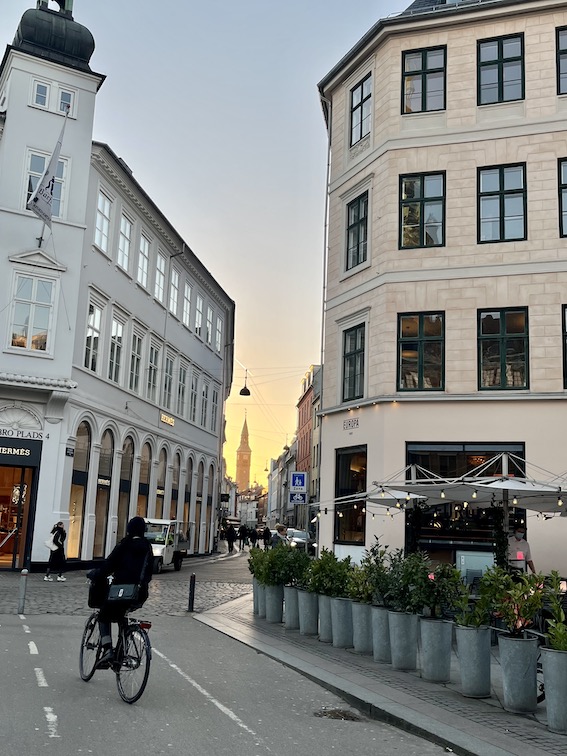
(81, 460)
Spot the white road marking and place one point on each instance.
(33, 648)
(22, 616)
(41, 681)
(26, 629)
(51, 722)
(225, 710)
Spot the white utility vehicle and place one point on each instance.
(169, 543)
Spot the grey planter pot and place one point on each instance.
(261, 600)
(274, 603)
(436, 639)
(308, 605)
(518, 661)
(473, 649)
(291, 607)
(361, 628)
(325, 626)
(403, 639)
(380, 634)
(341, 621)
(255, 595)
(555, 679)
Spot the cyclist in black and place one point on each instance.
(131, 561)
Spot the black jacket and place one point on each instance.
(125, 563)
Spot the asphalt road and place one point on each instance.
(207, 695)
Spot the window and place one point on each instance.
(350, 480)
(143, 261)
(66, 101)
(115, 350)
(199, 315)
(421, 356)
(209, 325)
(124, 241)
(102, 221)
(561, 61)
(360, 110)
(423, 80)
(357, 231)
(563, 198)
(36, 167)
(135, 362)
(502, 203)
(564, 330)
(214, 409)
(32, 313)
(187, 305)
(204, 404)
(218, 336)
(422, 210)
(181, 390)
(174, 291)
(153, 370)
(353, 363)
(93, 337)
(193, 398)
(160, 277)
(41, 94)
(168, 381)
(503, 348)
(500, 69)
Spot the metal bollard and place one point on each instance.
(191, 592)
(23, 583)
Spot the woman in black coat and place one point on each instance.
(130, 562)
(57, 559)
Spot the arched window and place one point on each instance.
(125, 486)
(102, 503)
(81, 461)
(187, 500)
(199, 537)
(144, 485)
(160, 493)
(210, 497)
(175, 487)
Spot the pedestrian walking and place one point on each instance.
(267, 537)
(57, 559)
(280, 536)
(230, 537)
(242, 535)
(253, 537)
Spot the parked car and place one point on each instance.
(301, 539)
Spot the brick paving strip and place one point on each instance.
(436, 712)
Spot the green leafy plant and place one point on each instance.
(519, 599)
(377, 562)
(444, 590)
(329, 576)
(480, 611)
(297, 567)
(409, 588)
(255, 562)
(556, 628)
(359, 586)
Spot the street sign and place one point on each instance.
(298, 482)
(298, 498)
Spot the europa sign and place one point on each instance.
(350, 424)
(167, 419)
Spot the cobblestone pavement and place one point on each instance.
(218, 579)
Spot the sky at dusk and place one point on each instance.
(214, 107)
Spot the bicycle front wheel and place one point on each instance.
(133, 666)
(90, 648)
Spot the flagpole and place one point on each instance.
(40, 237)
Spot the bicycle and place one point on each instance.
(132, 655)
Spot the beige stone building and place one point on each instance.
(446, 280)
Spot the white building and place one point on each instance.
(445, 336)
(116, 342)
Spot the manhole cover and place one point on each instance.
(343, 714)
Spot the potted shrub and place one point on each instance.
(554, 657)
(380, 578)
(441, 596)
(473, 633)
(409, 590)
(257, 566)
(254, 560)
(519, 598)
(274, 574)
(329, 577)
(296, 567)
(360, 590)
(308, 603)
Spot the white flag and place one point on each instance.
(42, 198)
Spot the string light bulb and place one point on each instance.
(514, 501)
(474, 494)
(398, 504)
(442, 493)
(408, 497)
(340, 514)
(465, 504)
(560, 502)
(382, 492)
(363, 510)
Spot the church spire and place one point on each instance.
(243, 459)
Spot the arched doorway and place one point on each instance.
(175, 487)
(81, 461)
(160, 493)
(126, 468)
(144, 485)
(199, 541)
(102, 503)
(210, 497)
(187, 501)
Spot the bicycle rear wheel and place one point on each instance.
(90, 648)
(133, 666)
